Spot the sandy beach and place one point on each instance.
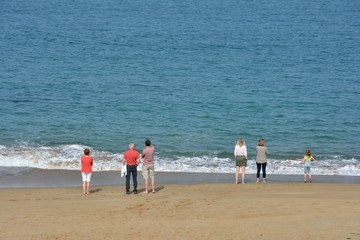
(184, 211)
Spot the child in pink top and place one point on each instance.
(86, 170)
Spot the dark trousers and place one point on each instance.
(259, 167)
(131, 170)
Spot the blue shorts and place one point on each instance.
(307, 169)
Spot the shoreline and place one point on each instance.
(40, 178)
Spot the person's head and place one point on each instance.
(261, 142)
(308, 152)
(87, 151)
(147, 143)
(132, 146)
(241, 142)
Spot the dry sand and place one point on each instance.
(202, 211)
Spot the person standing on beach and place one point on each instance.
(132, 160)
(308, 158)
(261, 159)
(148, 166)
(240, 154)
(86, 170)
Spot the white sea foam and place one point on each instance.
(62, 157)
(68, 157)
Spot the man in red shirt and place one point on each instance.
(132, 160)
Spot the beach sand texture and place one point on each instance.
(201, 211)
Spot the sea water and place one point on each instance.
(193, 76)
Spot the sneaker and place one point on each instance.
(128, 192)
(135, 191)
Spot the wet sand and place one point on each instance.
(38, 178)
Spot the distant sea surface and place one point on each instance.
(193, 76)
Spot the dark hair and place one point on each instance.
(86, 151)
(261, 142)
(147, 143)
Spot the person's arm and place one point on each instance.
(245, 152)
(143, 154)
(235, 151)
(92, 161)
(138, 160)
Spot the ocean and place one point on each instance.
(193, 76)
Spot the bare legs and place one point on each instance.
(237, 175)
(152, 185)
(310, 177)
(242, 175)
(86, 187)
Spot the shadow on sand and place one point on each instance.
(95, 190)
(157, 189)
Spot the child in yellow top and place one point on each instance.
(308, 158)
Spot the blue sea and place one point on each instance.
(193, 76)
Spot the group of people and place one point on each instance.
(131, 160)
(240, 155)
